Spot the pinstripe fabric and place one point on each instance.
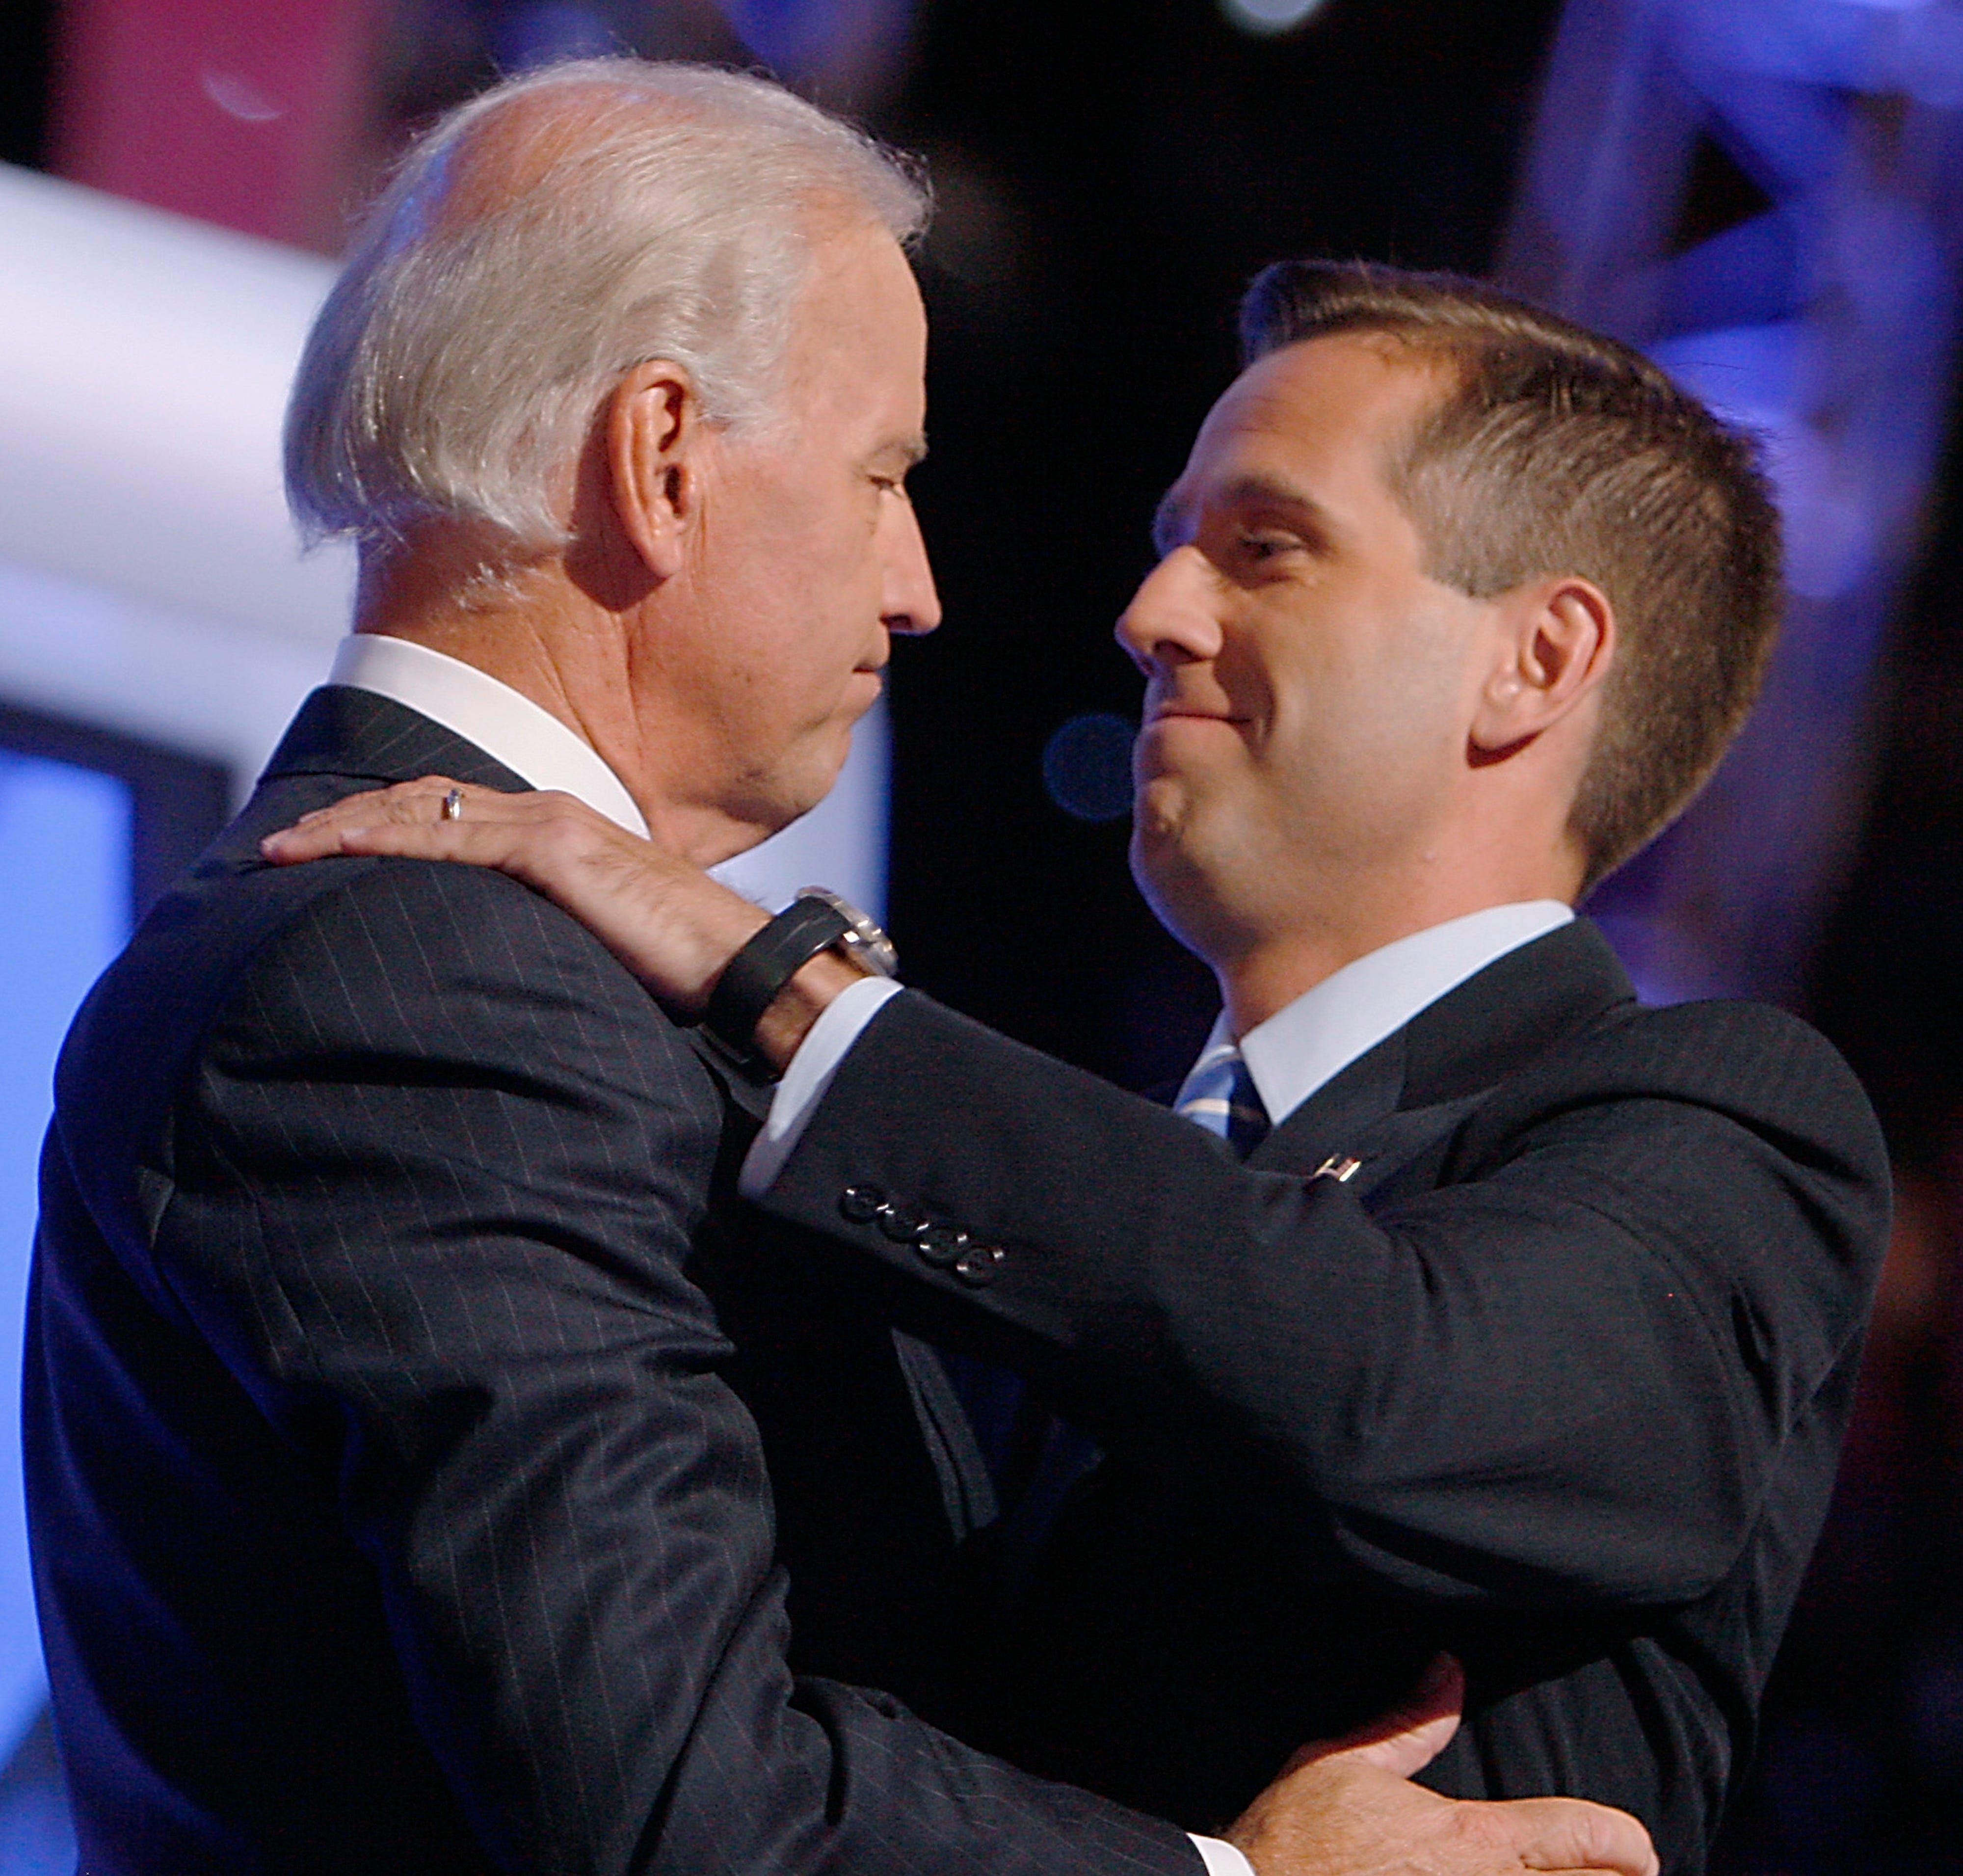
(392, 1508)
(1556, 1382)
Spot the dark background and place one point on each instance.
(1155, 169)
(1111, 175)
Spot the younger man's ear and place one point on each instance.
(654, 433)
(1556, 642)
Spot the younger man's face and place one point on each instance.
(1309, 684)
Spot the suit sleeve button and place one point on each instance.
(862, 1204)
(977, 1265)
(940, 1245)
(898, 1226)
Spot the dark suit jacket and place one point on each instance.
(1556, 1380)
(393, 1507)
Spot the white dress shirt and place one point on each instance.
(1303, 1048)
(1290, 1056)
(526, 738)
(536, 746)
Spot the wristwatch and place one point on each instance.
(817, 920)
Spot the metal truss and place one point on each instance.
(1824, 314)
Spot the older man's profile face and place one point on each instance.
(808, 556)
(1307, 682)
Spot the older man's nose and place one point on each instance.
(911, 605)
(1170, 620)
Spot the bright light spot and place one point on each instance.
(1269, 16)
(240, 97)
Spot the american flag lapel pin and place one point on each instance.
(1337, 1166)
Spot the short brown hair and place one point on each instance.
(1560, 452)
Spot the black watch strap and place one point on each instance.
(761, 969)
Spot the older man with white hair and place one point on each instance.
(397, 1496)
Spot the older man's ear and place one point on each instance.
(1556, 641)
(655, 433)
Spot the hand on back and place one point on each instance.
(1347, 1807)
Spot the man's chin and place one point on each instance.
(1161, 855)
(1178, 859)
(1181, 898)
(791, 795)
(1162, 811)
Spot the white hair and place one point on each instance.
(457, 367)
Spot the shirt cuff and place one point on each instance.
(1222, 1859)
(839, 1025)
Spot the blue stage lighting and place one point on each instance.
(792, 36)
(526, 36)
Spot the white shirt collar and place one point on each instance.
(528, 739)
(1302, 1048)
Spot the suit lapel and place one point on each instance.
(1333, 1121)
(1411, 1090)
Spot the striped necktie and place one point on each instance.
(1220, 1095)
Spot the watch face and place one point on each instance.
(868, 944)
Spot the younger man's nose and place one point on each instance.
(1169, 621)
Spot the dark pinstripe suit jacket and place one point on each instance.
(1557, 1380)
(392, 1504)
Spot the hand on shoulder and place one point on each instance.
(670, 924)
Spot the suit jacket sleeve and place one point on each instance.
(436, 1172)
(1560, 1377)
